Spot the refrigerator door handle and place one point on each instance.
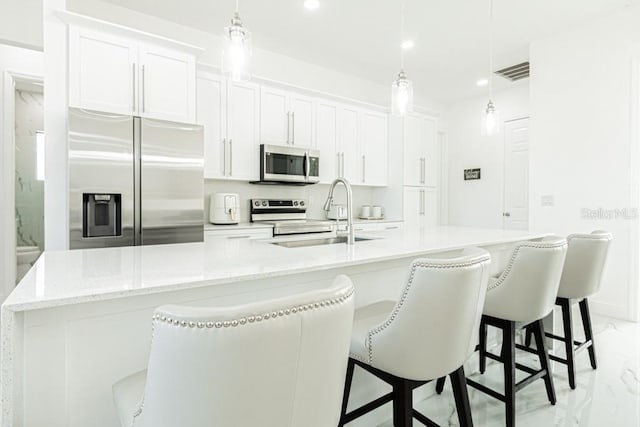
(133, 87)
(143, 91)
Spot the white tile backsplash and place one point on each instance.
(316, 194)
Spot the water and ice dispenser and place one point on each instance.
(101, 215)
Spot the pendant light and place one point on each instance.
(401, 88)
(236, 53)
(491, 125)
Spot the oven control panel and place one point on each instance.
(278, 204)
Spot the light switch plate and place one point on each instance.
(547, 200)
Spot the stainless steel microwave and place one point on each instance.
(289, 165)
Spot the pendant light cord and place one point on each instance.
(490, 49)
(401, 35)
(237, 5)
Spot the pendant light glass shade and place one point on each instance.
(401, 95)
(236, 53)
(491, 120)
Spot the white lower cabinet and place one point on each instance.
(420, 206)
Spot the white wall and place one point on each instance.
(480, 203)
(584, 150)
(21, 23)
(14, 62)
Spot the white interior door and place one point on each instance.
(516, 175)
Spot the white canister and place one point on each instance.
(376, 211)
(365, 211)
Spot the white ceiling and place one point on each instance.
(362, 37)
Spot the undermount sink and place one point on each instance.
(317, 242)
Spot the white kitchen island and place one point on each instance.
(80, 320)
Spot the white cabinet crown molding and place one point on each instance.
(71, 18)
(277, 84)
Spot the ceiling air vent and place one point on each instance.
(515, 72)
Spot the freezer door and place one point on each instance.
(101, 199)
(171, 182)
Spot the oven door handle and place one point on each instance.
(307, 166)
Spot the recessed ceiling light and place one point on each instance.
(407, 44)
(311, 4)
(482, 82)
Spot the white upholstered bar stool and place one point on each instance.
(522, 295)
(581, 277)
(278, 363)
(429, 332)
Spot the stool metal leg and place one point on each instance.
(440, 385)
(567, 322)
(461, 395)
(509, 360)
(588, 332)
(483, 346)
(538, 331)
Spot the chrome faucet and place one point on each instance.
(327, 205)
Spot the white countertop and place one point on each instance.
(78, 276)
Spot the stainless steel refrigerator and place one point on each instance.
(133, 181)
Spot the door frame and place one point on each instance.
(504, 166)
(7, 178)
(442, 145)
(634, 196)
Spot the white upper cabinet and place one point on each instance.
(243, 132)
(167, 83)
(274, 116)
(374, 148)
(212, 115)
(420, 156)
(303, 119)
(326, 140)
(229, 112)
(348, 144)
(122, 75)
(362, 146)
(102, 71)
(286, 118)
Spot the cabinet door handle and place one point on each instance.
(364, 166)
(144, 92)
(422, 172)
(422, 203)
(133, 87)
(224, 156)
(246, 236)
(230, 157)
(288, 127)
(342, 163)
(293, 128)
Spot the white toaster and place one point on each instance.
(224, 208)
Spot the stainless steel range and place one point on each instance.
(288, 216)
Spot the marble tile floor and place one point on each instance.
(608, 396)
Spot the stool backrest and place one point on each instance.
(272, 364)
(433, 328)
(529, 283)
(586, 257)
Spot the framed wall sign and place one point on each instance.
(470, 174)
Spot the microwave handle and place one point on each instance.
(307, 166)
